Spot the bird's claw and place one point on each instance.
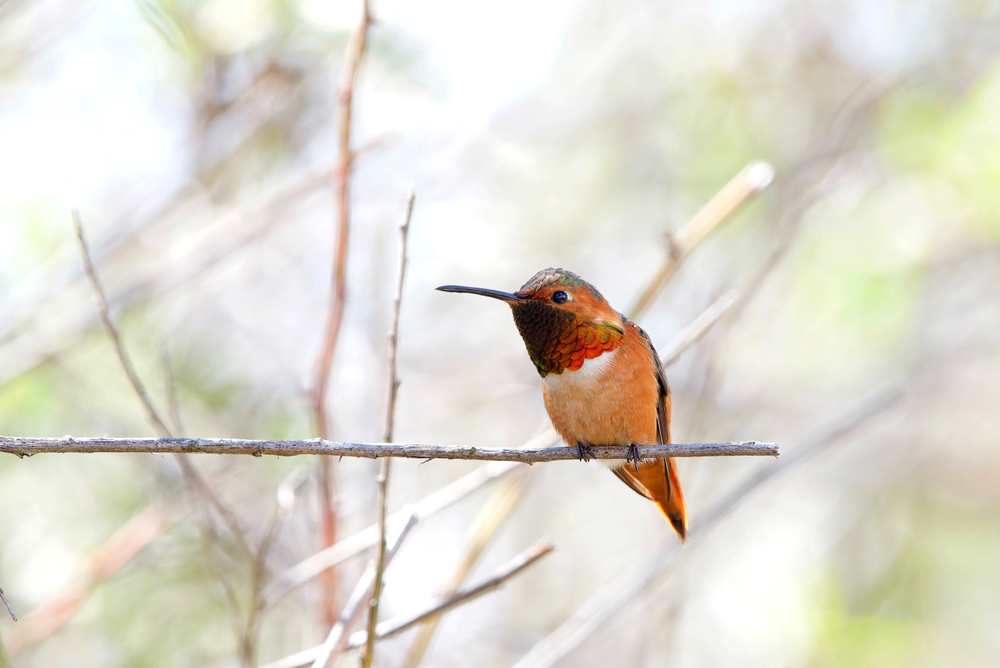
(584, 451)
(633, 456)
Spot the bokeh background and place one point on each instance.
(197, 140)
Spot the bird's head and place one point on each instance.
(562, 318)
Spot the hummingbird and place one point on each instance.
(602, 380)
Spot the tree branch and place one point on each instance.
(336, 641)
(191, 474)
(752, 180)
(309, 568)
(489, 520)
(390, 421)
(9, 609)
(398, 625)
(26, 446)
(338, 295)
(109, 325)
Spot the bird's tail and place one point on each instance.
(657, 480)
(671, 504)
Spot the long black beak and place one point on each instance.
(496, 294)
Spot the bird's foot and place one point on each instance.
(633, 456)
(584, 451)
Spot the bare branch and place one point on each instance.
(515, 566)
(6, 603)
(109, 325)
(341, 187)
(390, 419)
(309, 568)
(336, 641)
(190, 472)
(398, 625)
(25, 446)
(338, 295)
(691, 334)
(404, 228)
(609, 601)
(752, 180)
(287, 491)
(489, 520)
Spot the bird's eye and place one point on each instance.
(559, 297)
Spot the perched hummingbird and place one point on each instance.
(603, 381)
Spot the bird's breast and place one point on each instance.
(610, 400)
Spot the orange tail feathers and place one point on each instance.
(672, 503)
(657, 480)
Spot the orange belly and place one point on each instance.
(611, 400)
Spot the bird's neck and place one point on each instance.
(559, 340)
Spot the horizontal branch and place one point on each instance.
(27, 446)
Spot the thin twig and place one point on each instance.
(287, 491)
(691, 334)
(404, 228)
(519, 563)
(393, 627)
(188, 469)
(109, 325)
(6, 603)
(390, 419)
(606, 603)
(338, 296)
(336, 641)
(497, 509)
(752, 180)
(309, 568)
(24, 446)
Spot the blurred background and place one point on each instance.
(197, 139)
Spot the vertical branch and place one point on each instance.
(336, 640)
(338, 295)
(390, 420)
(287, 491)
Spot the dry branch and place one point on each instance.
(191, 474)
(751, 181)
(489, 520)
(338, 295)
(109, 325)
(398, 625)
(309, 568)
(515, 566)
(7, 604)
(336, 641)
(25, 446)
(390, 421)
